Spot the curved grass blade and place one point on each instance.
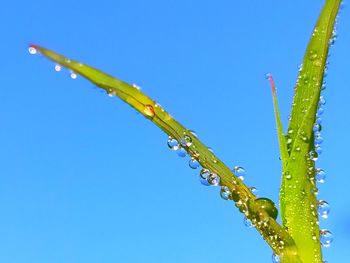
(298, 189)
(245, 200)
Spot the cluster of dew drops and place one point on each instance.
(33, 51)
(326, 236)
(209, 178)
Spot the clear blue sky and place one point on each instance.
(85, 179)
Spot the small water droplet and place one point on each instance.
(320, 111)
(312, 55)
(253, 189)
(193, 133)
(288, 175)
(186, 141)
(73, 75)
(203, 176)
(136, 86)
(323, 209)
(322, 100)
(247, 222)
(318, 120)
(317, 128)
(193, 163)
(318, 139)
(181, 152)
(172, 143)
(239, 172)
(290, 131)
(326, 237)
(320, 176)
(149, 111)
(225, 193)
(318, 150)
(214, 179)
(267, 205)
(297, 148)
(58, 68)
(313, 156)
(32, 50)
(275, 258)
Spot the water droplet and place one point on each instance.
(275, 258)
(323, 209)
(73, 75)
(136, 86)
(290, 131)
(210, 150)
(298, 148)
(320, 176)
(320, 111)
(214, 179)
(312, 55)
(58, 68)
(203, 176)
(288, 175)
(317, 127)
(326, 237)
(247, 222)
(181, 152)
(193, 163)
(318, 139)
(313, 156)
(32, 50)
(322, 100)
(149, 111)
(193, 133)
(318, 150)
(253, 189)
(172, 143)
(239, 172)
(267, 205)
(318, 120)
(186, 141)
(225, 193)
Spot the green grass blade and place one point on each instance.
(280, 134)
(299, 211)
(253, 208)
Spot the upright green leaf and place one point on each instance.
(298, 191)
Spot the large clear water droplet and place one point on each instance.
(181, 152)
(32, 50)
(267, 205)
(203, 176)
(225, 193)
(214, 179)
(323, 209)
(193, 163)
(275, 258)
(326, 237)
(172, 143)
(320, 176)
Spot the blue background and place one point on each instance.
(84, 178)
